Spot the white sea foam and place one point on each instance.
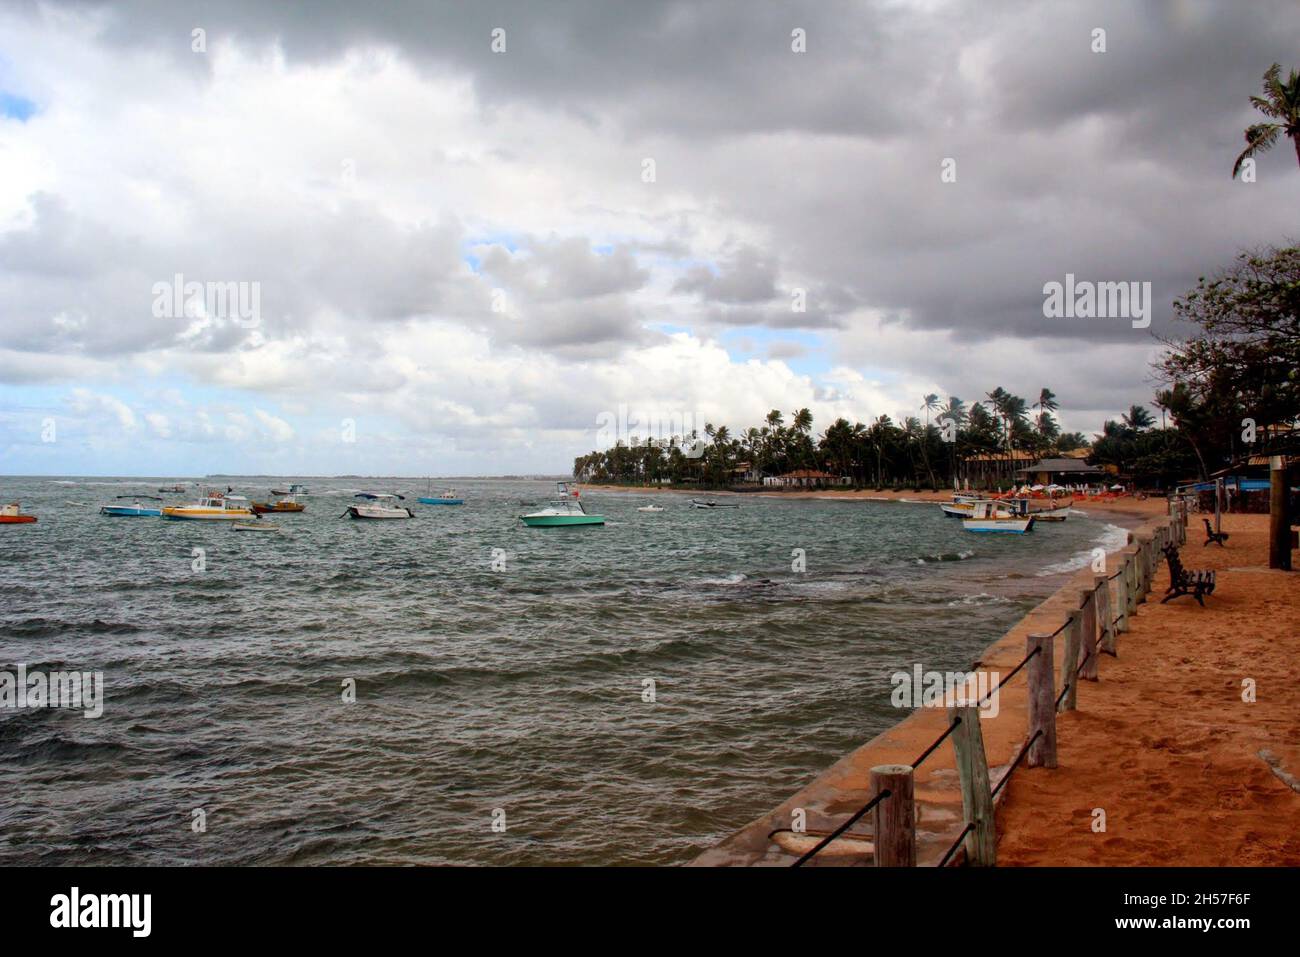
(1111, 537)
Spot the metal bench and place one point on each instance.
(1212, 536)
(1185, 582)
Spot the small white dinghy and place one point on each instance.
(256, 527)
(650, 508)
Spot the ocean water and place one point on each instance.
(484, 695)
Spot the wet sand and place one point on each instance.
(1163, 742)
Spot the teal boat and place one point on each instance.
(566, 510)
(135, 510)
(448, 497)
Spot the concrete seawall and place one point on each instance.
(842, 789)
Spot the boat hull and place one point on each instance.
(441, 501)
(1009, 526)
(378, 512)
(183, 514)
(279, 508)
(17, 519)
(556, 521)
(129, 511)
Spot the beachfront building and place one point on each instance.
(807, 478)
(1067, 472)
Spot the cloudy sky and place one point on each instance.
(473, 229)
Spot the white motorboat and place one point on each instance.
(379, 505)
(565, 511)
(650, 508)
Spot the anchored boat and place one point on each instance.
(287, 504)
(650, 508)
(696, 503)
(379, 505)
(136, 510)
(566, 510)
(11, 515)
(995, 517)
(212, 507)
(448, 497)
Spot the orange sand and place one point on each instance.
(1164, 744)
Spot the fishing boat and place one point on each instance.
(294, 490)
(650, 508)
(287, 504)
(1055, 513)
(996, 517)
(212, 507)
(379, 505)
(11, 515)
(449, 497)
(565, 510)
(135, 510)
(696, 503)
(255, 527)
(178, 487)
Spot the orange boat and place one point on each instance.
(9, 515)
(275, 508)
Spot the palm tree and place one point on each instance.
(1138, 418)
(1281, 101)
(802, 421)
(929, 403)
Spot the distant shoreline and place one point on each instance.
(1133, 509)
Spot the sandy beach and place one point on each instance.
(1185, 770)
(1164, 744)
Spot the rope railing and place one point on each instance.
(981, 847)
(843, 827)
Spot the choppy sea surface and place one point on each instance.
(501, 672)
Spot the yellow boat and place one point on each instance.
(213, 507)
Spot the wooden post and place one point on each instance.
(893, 820)
(976, 794)
(1088, 647)
(1131, 583)
(1042, 702)
(1218, 508)
(1144, 572)
(1121, 597)
(1070, 661)
(1279, 526)
(1105, 617)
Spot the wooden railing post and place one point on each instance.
(976, 793)
(1144, 573)
(1121, 597)
(1073, 641)
(893, 820)
(1042, 702)
(1105, 617)
(1088, 647)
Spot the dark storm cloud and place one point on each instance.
(1112, 166)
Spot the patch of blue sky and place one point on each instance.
(16, 107)
(508, 241)
(757, 342)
